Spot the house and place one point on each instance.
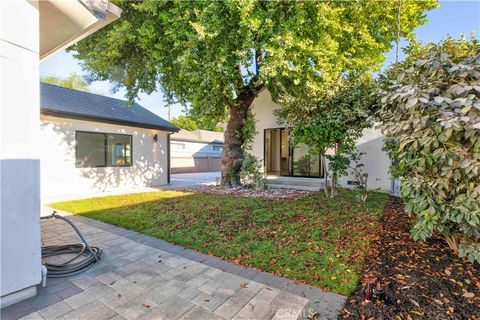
(196, 151)
(30, 31)
(92, 143)
(284, 164)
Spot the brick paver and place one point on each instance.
(140, 277)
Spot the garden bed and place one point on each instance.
(267, 194)
(421, 279)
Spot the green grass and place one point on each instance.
(313, 239)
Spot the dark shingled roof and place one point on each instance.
(69, 103)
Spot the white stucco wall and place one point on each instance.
(19, 153)
(60, 177)
(376, 161)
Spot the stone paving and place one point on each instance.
(140, 277)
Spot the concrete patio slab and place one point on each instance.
(140, 277)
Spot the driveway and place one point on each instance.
(140, 277)
(182, 180)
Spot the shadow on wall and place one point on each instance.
(61, 177)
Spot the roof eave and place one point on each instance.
(77, 116)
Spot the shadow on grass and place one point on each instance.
(312, 239)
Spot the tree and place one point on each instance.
(215, 56)
(431, 114)
(72, 81)
(331, 119)
(190, 123)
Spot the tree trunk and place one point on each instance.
(325, 173)
(453, 243)
(333, 188)
(232, 155)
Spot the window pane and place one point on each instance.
(304, 162)
(178, 146)
(119, 150)
(90, 150)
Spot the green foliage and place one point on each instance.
(252, 173)
(72, 81)
(431, 114)
(360, 177)
(191, 123)
(331, 119)
(202, 53)
(249, 132)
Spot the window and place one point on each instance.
(217, 148)
(95, 149)
(178, 146)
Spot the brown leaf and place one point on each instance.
(414, 302)
(468, 295)
(146, 305)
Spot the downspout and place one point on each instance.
(168, 158)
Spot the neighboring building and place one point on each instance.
(271, 146)
(92, 143)
(30, 31)
(196, 151)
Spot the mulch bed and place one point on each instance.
(422, 280)
(267, 194)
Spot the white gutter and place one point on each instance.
(65, 22)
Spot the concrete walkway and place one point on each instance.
(140, 277)
(181, 180)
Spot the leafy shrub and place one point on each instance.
(360, 177)
(431, 113)
(251, 173)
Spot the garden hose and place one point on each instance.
(85, 255)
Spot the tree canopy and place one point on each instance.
(214, 56)
(72, 81)
(190, 123)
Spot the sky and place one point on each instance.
(450, 18)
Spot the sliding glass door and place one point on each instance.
(283, 159)
(305, 164)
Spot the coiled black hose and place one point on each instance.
(86, 256)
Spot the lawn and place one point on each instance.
(312, 239)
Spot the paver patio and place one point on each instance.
(140, 277)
